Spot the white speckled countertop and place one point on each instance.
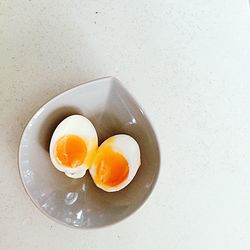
(187, 63)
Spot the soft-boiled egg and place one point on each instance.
(73, 146)
(116, 163)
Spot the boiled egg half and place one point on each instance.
(116, 163)
(73, 146)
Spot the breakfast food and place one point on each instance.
(74, 149)
(73, 146)
(116, 163)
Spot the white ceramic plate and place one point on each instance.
(78, 202)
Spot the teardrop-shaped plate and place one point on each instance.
(78, 202)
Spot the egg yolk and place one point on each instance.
(111, 167)
(71, 150)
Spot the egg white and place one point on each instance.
(129, 148)
(74, 125)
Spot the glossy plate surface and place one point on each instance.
(78, 202)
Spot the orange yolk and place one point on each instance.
(111, 167)
(71, 150)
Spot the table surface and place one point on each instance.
(187, 63)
